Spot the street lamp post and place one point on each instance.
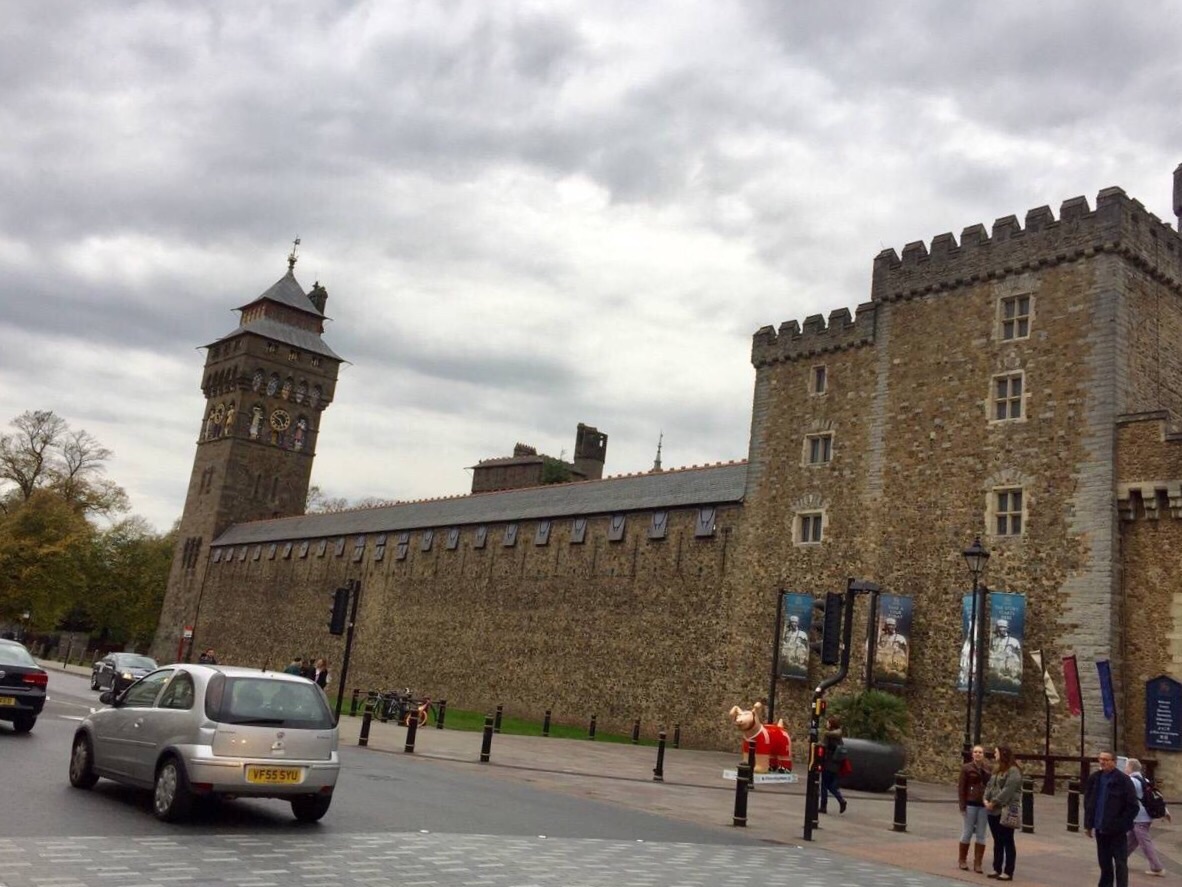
(976, 556)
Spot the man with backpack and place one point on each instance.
(1152, 806)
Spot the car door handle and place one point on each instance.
(139, 722)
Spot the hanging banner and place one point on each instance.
(967, 648)
(1048, 685)
(1007, 620)
(893, 649)
(794, 636)
(1104, 670)
(1071, 683)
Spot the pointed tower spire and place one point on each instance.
(293, 256)
(657, 461)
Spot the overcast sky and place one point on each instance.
(526, 215)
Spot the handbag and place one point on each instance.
(1011, 816)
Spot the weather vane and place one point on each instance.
(293, 255)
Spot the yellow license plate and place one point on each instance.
(275, 775)
(7, 700)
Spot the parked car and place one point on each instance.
(118, 671)
(22, 686)
(189, 731)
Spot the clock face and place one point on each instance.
(280, 420)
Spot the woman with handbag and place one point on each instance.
(1003, 803)
(973, 778)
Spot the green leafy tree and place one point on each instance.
(44, 547)
(128, 574)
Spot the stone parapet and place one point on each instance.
(790, 342)
(1117, 224)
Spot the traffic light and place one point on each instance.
(340, 611)
(826, 628)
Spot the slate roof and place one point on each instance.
(305, 340)
(287, 291)
(712, 485)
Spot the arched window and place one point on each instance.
(301, 391)
(256, 382)
(273, 385)
(287, 386)
(314, 397)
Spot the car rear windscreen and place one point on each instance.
(130, 661)
(11, 654)
(267, 702)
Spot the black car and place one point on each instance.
(22, 686)
(118, 671)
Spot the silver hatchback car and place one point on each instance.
(191, 731)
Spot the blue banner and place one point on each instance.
(1104, 670)
(794, 635)
(1163, 713)
(1007, 631)
(893, 649)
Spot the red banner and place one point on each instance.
(1071, 680)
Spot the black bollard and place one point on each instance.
(751, 764)
(591, 729)
(412, 728)
(900, 824)
(659, 770)
(383, 710)
(546, 724)
(442, 713)
(1073, 805)
(742, 783)
(497, 719)
(486, 745)
(353, 703)
(677, 735)
(636, 732)
(363, 739)
(1028, 806)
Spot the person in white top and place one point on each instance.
(1139, 836)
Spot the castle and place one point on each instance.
(1018, 384)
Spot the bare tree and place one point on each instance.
(45, 453)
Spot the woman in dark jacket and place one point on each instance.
(832, 765)
(973, 778)
(1004, 788)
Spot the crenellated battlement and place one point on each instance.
(790, 342)
(1118, 224)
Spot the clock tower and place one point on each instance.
(266, 386)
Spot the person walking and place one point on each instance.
(835, 755)
(1002, 793)
(1110, 807)
(1139, 836)
(207, 657)
(974, 776)
(296, 666)
(320, 674)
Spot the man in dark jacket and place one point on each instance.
(1110, 806)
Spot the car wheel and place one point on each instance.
(94, 681)
(171, 799)
(82, 763)
(24, 723)
(310, 808)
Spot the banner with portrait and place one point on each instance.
(1007, 632)
(892, 651)
(794, 635)
(968, 652)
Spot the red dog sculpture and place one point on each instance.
(773, 745)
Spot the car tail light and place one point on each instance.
(37, 679)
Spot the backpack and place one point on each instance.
(841, 753)
(1151, 798)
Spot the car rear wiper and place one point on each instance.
(261, 722)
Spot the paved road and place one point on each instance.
(395, 819)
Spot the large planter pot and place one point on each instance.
(874, 765)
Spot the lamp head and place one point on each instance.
(976, 556)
